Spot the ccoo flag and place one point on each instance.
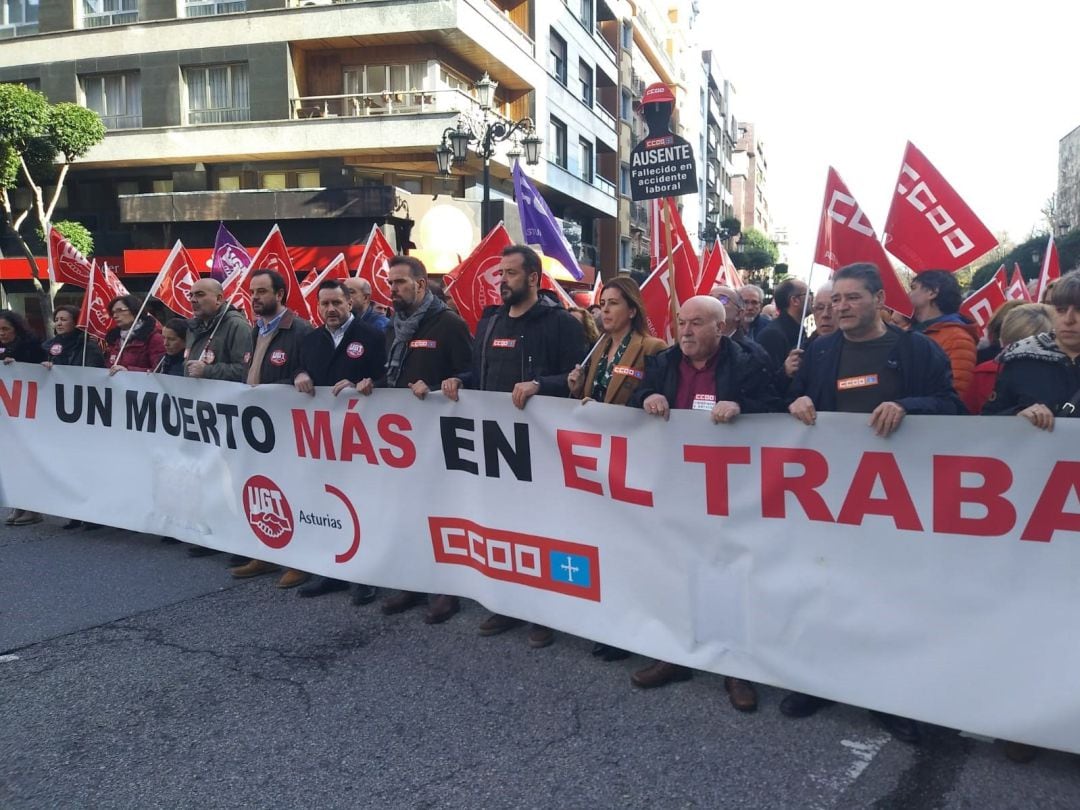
(539, 225)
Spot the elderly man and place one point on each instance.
(362, 307)
(753, 297)
(824, 319)
(706, 371)
(219, 336)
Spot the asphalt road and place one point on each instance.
(133, 676)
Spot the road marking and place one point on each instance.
(864, 752)
(6, 658)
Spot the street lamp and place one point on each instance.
(484, 131)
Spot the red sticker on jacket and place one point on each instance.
(504, 343)
(355, 349)
(56, 349)
(423, 344)
(278, 357)
(629, 371)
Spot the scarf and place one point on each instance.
(405, 327)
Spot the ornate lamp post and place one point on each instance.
(484, 130)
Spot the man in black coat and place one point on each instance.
(525, 347)
(782, 333)
(343, 353)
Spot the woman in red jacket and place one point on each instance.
(145, 346)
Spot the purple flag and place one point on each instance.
(539, 224)
(229, 255)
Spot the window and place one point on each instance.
(586, 13)
(18, 18)
(228, 182)
(97, 13)
(585, 159)
(116, 97)
(413, 185)
(627, 35)
(557, 138)
(127, 187)
(308, 179)
(273, 180)
(624, 180)
(626, 108)
(557, 62)
(207, 8)
(217, 94)
(586, 81)
(162, 186)
(624, 253)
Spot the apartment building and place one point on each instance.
(748, 182)
(715, 147)
(320, 115)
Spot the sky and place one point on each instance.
(985, 90)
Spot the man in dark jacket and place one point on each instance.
(525, 347)
(783, 333)
(362, 306)
(427, 343)
(218, 338)
(343, 353)
(706, 371)
(869, 367)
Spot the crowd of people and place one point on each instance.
(729, 358)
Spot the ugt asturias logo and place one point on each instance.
(568, 568)
(268, 511)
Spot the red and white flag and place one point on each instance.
(474, 284)
(174, 281)
(929, 226)
(845, 236)
(274, 255)
(94, 314)
(375, 265)
(548, 282)
(981, 305)
(1051, 269)
(658, 295)
(717, 268)
(66, 264)
(1018, 289)
(337, 270)
(670, 230)
(237, 294)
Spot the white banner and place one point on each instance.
(934, 574)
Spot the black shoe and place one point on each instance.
(903, 728)
(91, 527)
(236, 560)
(71, 524)
(363, 594)
(321, 587)
(605, 652)
(796, 704)
(201, 551)
(169, 541)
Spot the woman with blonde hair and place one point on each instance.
(1019, 322)
(588, 323)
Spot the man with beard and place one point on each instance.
(218, 338)
(526, 346)
(344, 353)
(427, 344)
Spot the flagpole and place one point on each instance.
(86, 334)
(153, 289)
(805, 304)
(670, 270)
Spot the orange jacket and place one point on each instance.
(957, 338)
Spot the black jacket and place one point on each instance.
(739, 378)
(440, 349)
(281, 362)
(67, 350)
(779, 338)
(925, 374)
(172, 365)
(361, 354)
(24, 350)
(551, 343)
(1034, 371)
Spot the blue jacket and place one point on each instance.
(925, 374)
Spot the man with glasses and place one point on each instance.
(219, 336)
(753, 298)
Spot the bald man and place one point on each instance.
(707, 371)
(362, 307)
(219, 336)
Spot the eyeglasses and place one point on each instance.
(118, 310)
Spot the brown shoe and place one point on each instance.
(400, 602)
(497, 623)
(442, 608)
(742, 694)
(291, 578)
(540, 636)
(660, 673)
(255, 568)
(1020, 752)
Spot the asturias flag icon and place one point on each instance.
(572, 569)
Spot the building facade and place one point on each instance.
(716, 147)
(1068, 188)
(748, 182)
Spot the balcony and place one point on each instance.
(355, 105)
(98, 14)
(213, 8)
(112, 122)
(18, 30)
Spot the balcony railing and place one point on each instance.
(605, 116)
(212, 8)
(93, 19)
(219, 115)
(361, 105)
(18, 30)
(122, 121)
(604, 185)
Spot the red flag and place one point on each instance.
(337, 270)
(374, 266)
(930, 227)
(845, 236)
(94, 314)
(237, 293)
(1018, 289)
(1051, 269)
(656, 295)
(981, 305)
(550, 284)
(713, 271)
(672, 231)
(66, 264)
(474, 284)
(174, 281)
(274, 255)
